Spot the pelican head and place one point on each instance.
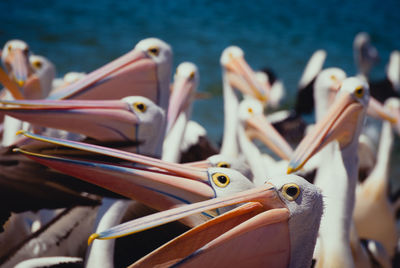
(39, 84)
(225, 161)
(15, 58)
(326, 86)
(365, 54)
(131, 119)
(241, 76)
(185, 84)
(342, 122)
(144, 71)
(251, 114)
(282, 216)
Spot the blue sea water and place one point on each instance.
(83, 35)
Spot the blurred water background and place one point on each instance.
(84, 35)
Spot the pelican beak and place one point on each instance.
(340, 123)
(242, 77)
(263, 217)
(102, 120)
(262, 199)
(199, 164)
(263, 130)
(182, 93)
(131, 74)
(175, 168)
(19, 65)
(156, 188)
(376, 109)
(10, 85)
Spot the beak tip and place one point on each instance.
(19, 132)
(92, 237)
(291, 169)
(20, 83)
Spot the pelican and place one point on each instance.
(33, 74)
(144, 71)
(159, 189)
(374, 213)
(131, 119)
(15, 59)
(267, 231)
(252, 120)
(365, 54)
(337, 132)
(186, 80)
(37, 86)
(237, 74)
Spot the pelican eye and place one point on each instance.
(223, 164)
(250, 110)
(9, 47)
(291, 191)
(191, 76)
(140, 107)
(333, 78)
(359, 92)
(154, 51)
(37, 64)
(221, 180)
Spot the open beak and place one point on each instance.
(102, 120)
(264, 216)
(339, 123)
(182, 94)
(260, 128)
(243, 78)
(131, 74)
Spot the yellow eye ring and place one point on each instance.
(37, 64)
(191, 76)
(154, 51)
(359, 92)
(9, 47)
(291, 191)
(250, 110)
(220, 179)
(223, 164)
(140, 107)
